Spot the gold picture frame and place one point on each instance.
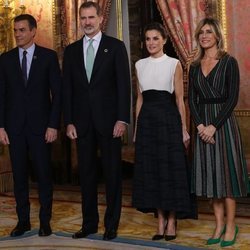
(220, 11)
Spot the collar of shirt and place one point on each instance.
(29, 55)
(97, 38)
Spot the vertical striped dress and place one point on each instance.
(218, 170)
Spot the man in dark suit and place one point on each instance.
(96, 113)
(30, 101)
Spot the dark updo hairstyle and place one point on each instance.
(156, 26)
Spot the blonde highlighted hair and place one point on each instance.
(217, 30)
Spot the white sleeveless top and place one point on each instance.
(156, 73)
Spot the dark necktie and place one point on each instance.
(24, 67)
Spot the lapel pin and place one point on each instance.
(105, 50)
(34, 57)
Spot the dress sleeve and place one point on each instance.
(193, 97)
(232, 79)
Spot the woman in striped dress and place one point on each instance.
(219, 167)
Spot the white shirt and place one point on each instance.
(156, 73)
(29, 56)
(96, 42)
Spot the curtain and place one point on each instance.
(180, 18)
(6, 179)
(71, 30)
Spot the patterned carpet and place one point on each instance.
(135, 231)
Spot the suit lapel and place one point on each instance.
(34, 64)
(17, 64)
(80, 59)
(100, 55)
(101, 52)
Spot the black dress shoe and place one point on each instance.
(45, 230)
(83, 233)
(109, 235)
(171, 237)
(158, 237)
(20, 229)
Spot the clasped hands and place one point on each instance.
(206, 133)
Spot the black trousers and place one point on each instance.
(20, 146)
(110, 149)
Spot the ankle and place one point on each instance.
(161, 227)
(171, 228)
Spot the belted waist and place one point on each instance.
(212, 100)
(156, 96)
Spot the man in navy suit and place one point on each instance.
(30, 103)
(96, 113)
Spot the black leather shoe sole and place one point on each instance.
(109, 235)
(20, 230)
(45, 231)
(83, 234)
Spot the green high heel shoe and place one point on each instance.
(212, 241)
(227, 243)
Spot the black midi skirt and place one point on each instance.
(161, 174)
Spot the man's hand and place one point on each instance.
(50, 135)
(4, 139)
(71, 132)
(119, 129)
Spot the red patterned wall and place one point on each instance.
(238, 38)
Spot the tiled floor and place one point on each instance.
(67, 218)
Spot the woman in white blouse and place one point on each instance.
(160, 177)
